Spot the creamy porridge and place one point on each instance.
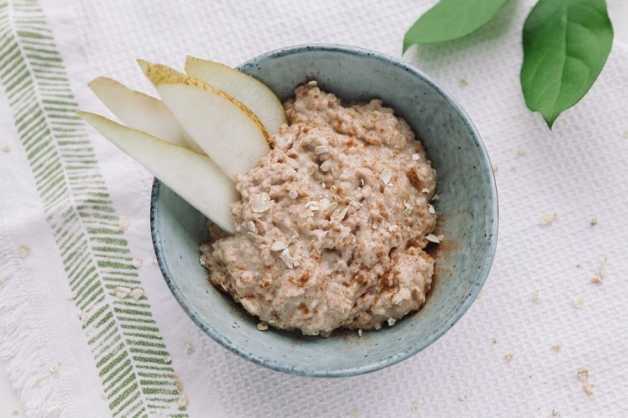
(332, 224)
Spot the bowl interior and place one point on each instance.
(467, 207)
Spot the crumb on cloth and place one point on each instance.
(583, 378)
(549, 218)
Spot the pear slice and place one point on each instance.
(228, 131)
(141, 111)
(250, 91)
(192, 176)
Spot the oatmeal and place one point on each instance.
(332, 224)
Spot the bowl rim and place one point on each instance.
(482, 274)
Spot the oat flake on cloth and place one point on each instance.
(74, 233)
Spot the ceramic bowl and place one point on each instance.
(467, 208)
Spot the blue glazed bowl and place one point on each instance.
(467, 207)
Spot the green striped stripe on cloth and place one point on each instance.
(130, 354)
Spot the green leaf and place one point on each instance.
(565, 46)
(451, 19)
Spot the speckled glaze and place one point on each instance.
(468, 208)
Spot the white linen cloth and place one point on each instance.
(517, 351)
